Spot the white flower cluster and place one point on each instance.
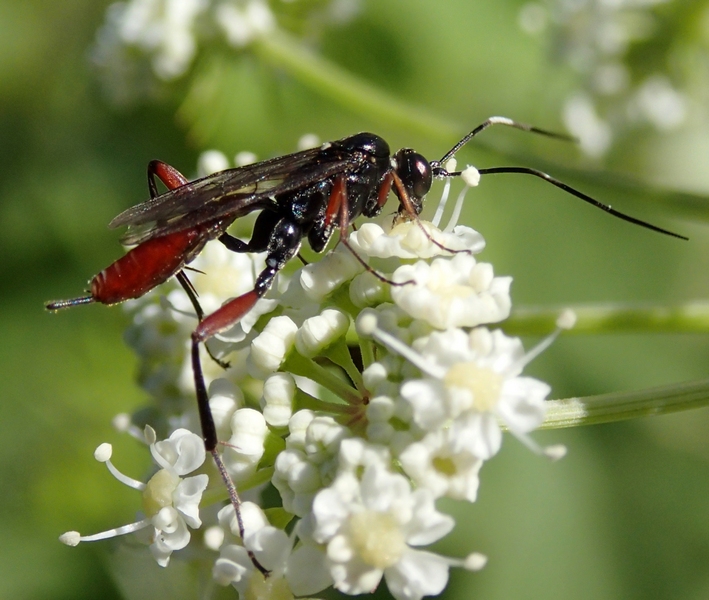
(599, 40)
(162, 37)
(360, 401)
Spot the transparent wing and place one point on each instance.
(229, 194)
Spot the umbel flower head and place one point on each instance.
(144, 43)
(360, 401)
(619, 86)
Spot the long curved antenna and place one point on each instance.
(573, 192)
(500, 121)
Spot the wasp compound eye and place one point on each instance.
(415, 173)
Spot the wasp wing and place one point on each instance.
(229, 194)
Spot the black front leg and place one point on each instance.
(264, 228)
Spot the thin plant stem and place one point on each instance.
(305, 367)
(689, 317)
(619, 406)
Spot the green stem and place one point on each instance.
(308, 402)
(366, 347)
(285, 52)
(691, 317)
(618, 406)
(305, 367)
(339, 353)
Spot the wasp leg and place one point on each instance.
(266, 223)
(169, 175)
(410, 211)
(172, 179)
(283, 245)
(337, 213)
(186, 284)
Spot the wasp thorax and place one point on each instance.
(368, 143)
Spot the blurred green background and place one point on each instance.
(624, 515)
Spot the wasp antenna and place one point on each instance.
(502, 121)
(578, 194)
(59, 304)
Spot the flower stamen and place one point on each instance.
(449, 166)
(367, 325)
(72, 538)
(103, 454)
(471, 178)
(565, 321)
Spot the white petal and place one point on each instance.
(339, 549)
(304, 477)
(504, 352)
(183, 450)
(356, 453)
(161, 553)
(277, 399)
(418, 458)
(175, 540)
(252, 516)
(427, 524)
(233, 565)
(453, 292)
(298, 426)
(331, 506)
(446, 348)
(320, 278)
(249, 431)
(167, 519)
(188, 495)
(271, 547)
(383, 491)
(478, 433)
(270, 348)
(416, 575)
(355, 577)
(522, 406)
(416, 462)
(323, 438)
(408, 240)
(426, 397)
(224, 399)
(367, 290)
(320, 331)
(307, 572)
(302, 504)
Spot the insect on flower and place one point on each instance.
(307, 194)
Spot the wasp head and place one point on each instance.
(416, 176)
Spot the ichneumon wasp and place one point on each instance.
(307, 194)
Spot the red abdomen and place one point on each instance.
(147, 265)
